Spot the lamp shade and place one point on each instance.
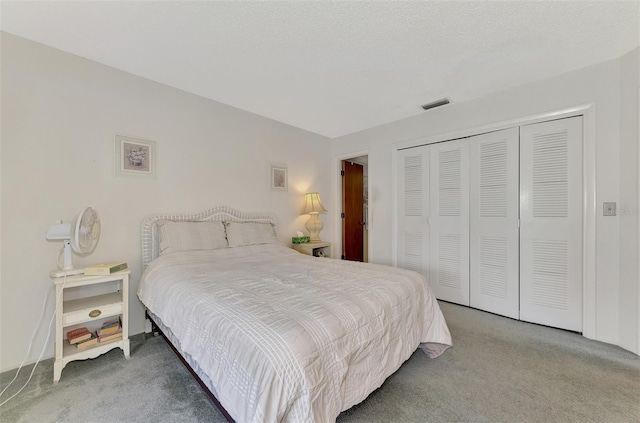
(312, 204)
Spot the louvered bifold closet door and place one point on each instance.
(449, 221)
(493, 224)
(413, 209)
(551, 223)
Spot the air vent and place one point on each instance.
(435, 104)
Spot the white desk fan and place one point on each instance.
(81, 235)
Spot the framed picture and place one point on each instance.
(135, 156)
(278, 178)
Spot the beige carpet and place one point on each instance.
(499, 370)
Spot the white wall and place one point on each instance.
(59, 115)
(606, 86)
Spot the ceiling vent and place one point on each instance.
(434, 104)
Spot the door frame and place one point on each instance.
(337, 183)
(589, 206)
(638, 234)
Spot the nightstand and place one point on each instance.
(316, 249)
(89, 311)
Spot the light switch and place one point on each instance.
(609, 209)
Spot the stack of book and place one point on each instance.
(110, 330)
(82, 338)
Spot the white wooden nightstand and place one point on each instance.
(87, 310)
(317, 249)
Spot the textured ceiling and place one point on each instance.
(334, 67)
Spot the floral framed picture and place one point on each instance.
(278, 176)
(135, 156)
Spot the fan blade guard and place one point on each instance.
(85, 231)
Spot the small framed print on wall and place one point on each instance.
(278, 177)
(135, 156)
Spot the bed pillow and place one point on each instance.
(250, 233)
(185, 236)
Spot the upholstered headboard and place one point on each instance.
(151, 240)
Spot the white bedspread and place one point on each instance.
(288, 337)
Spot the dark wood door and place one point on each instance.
(353, 211)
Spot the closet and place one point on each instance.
(494, 221)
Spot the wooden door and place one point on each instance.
(352, 211)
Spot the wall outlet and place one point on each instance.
(609, 209)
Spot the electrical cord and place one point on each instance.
(58, 298)
(60, 259)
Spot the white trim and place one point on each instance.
(589, 297)
(337, 161)
(394, 206)
(477, 130)
(638, 229)
(588, 111)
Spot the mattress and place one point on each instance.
(282, 336)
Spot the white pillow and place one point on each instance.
(185, 236)
(240, 234)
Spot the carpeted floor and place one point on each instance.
(499, 370)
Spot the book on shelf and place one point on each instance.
(88, 342)
(102, 269)
(78, 335)
(110, 337)
(109, 327)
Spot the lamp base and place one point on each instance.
(314, 225)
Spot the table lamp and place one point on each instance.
(313, 206)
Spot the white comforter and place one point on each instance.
(288, 337)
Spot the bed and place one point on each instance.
(275, 335)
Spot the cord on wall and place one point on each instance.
(58, 298)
